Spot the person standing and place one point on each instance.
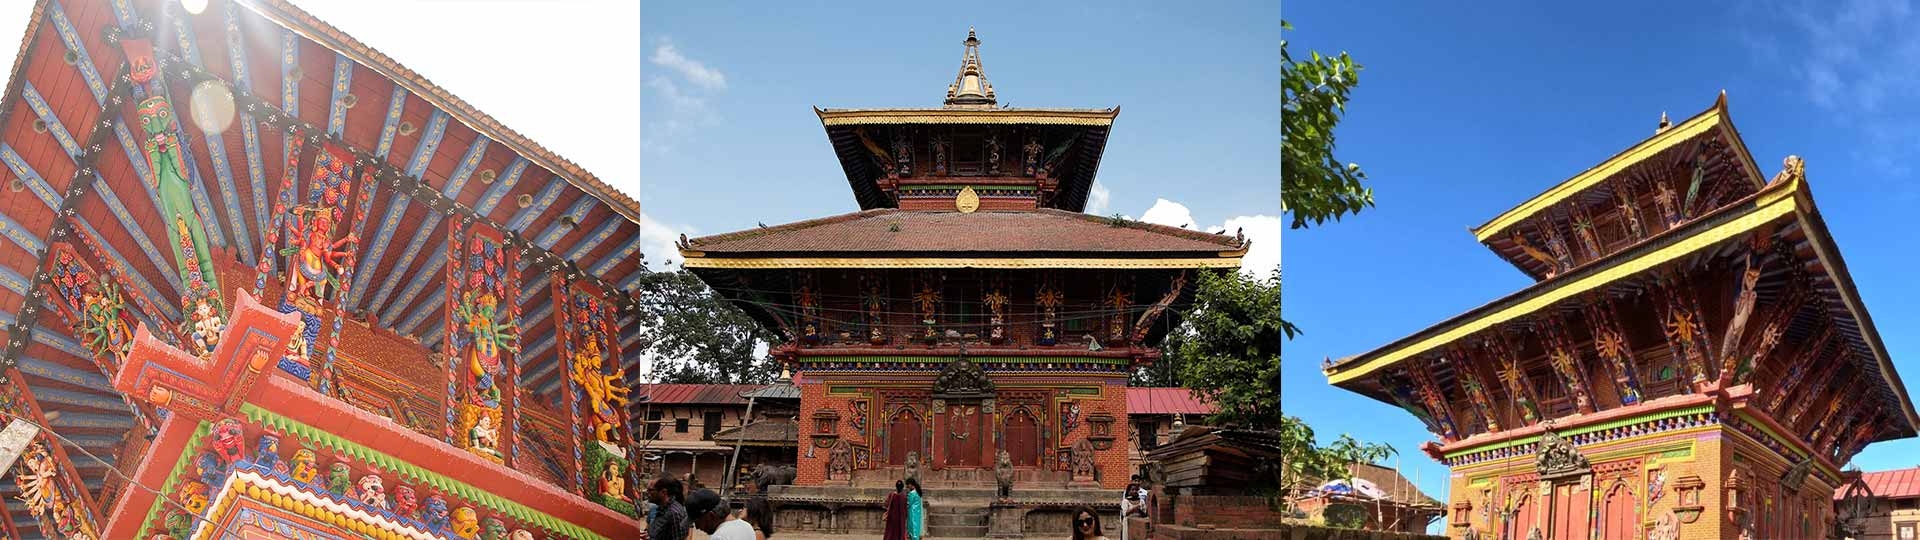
(760, 515)
(916, 510)
(670, 516)
(896, 520)
(721, 521)
(1086, 525)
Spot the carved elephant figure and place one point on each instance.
(772, 475)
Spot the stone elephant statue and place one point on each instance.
(772, 475)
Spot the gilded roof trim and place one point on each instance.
(757, 263)
(1051, 117)
(1712, 118)
(1769, 205)
(293, 18)
(1829, 256)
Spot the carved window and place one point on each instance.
(710, 424)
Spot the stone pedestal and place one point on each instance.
(1005, 520)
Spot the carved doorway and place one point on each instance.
(963, 399)
(963, 435)
(1023, 439)
(903, 436)
(1571, 501)
(1618, 520)
(1520, 518)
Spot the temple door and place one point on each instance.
(1023, 439)
(1522, 520)
(1571, 502)
(963, 435)
(903, 436)
(1618, 521)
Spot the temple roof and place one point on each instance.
(1786, 206)
(1024, 234)
(970, 88)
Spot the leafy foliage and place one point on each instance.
(1314, 185)
(1231, 351)
(694, 335)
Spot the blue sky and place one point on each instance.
(1466, 109)
(729, 139)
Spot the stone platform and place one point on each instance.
(954, 510)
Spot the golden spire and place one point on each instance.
(1664, 123)
(970, 89)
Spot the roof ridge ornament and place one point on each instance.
(970, 89)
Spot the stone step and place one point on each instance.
(936, 531)
(956, 520)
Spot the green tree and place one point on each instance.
(694, 335)
(1230, 350)
(1314, 185)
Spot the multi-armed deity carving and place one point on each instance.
(316, 256)
(191, 249)
(481, 333)
(1050, 299)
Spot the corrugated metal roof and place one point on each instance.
(1165, 401)
(696, 394)
(1894, 484)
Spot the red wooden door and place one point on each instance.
(963, 436)
(903, 435)
(1023, 439)
(1523, 517)
(1570, 505)
(1618, 519)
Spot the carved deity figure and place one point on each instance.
(466, 523)
(373, 492)
(1083, 467)
(338, 479)
(484, 436)
(1031, 156)
(993, 154)
(305, 466)
(171, 183)
(318, 258)
(612, 483)
(104, 320)
(493, 529)
(478, 313)
(840, 462)
(1003, 474)
(266, 453)
(193, 495)
(36, 480)
(204, 326)
(1666, 527)
(434, 513)
(606, 393)
(405, 501)
(227, 441)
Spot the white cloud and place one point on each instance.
(657, 243)
(1169, 213)
(685, 86)
(695, 72)
(1263, 257)
(1098, 199)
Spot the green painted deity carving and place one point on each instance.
(171, 182)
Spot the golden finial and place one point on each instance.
(1664, 123)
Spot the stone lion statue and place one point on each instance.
(913, 466)
(1003, 473)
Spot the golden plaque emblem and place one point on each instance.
(968, 201)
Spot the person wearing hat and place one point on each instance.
(714, 516)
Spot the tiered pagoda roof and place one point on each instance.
(1605, 237)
